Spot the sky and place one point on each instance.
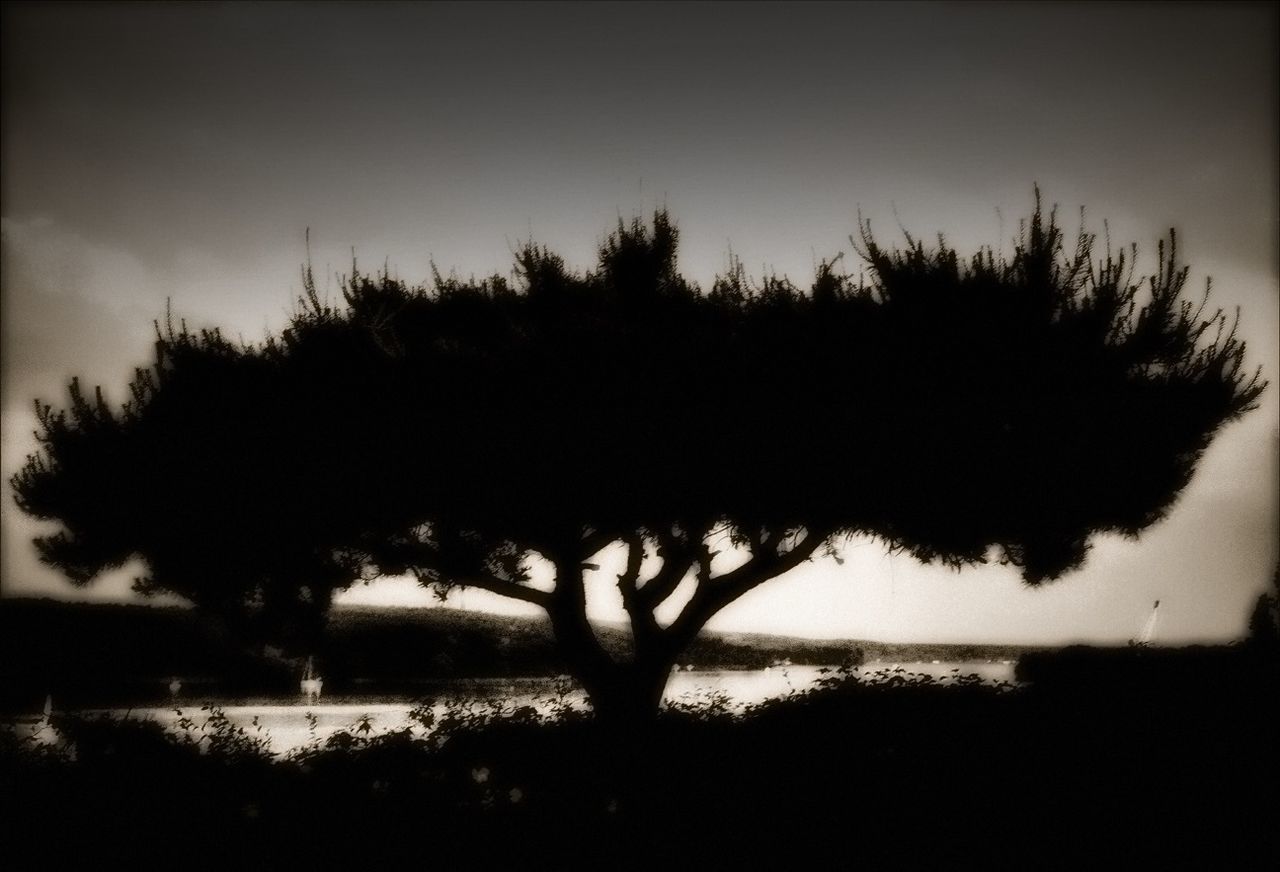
(181, 152)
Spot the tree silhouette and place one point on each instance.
(957, 409)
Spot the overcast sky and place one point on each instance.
(180, 152)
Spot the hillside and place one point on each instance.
(96, 652)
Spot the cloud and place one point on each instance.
(69, 307)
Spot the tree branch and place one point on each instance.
(677, 559)
(510, 589)
(645, 631)
(630, 576)
(567, 608)
(713, 594)
(423, 561)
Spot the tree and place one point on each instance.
(957, 409)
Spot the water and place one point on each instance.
(291, 723)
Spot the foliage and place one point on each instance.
(1005, 407)
(892, 769)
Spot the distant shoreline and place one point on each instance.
(87, 654)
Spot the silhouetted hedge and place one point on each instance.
(892, 771)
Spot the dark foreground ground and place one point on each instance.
(1148, 768)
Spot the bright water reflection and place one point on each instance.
(293, 723)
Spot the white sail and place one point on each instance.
(1149, 629)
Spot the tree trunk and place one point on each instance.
(623, 695)
(620, 694)
(630, 698)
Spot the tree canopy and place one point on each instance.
(960, 409)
